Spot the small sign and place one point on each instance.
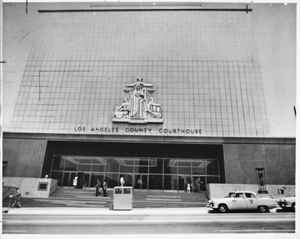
(43, 186)
(118, 191)
(127, 190)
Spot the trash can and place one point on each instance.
(122, 198)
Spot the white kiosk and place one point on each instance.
(122, 198)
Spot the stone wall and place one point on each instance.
(24, 157)
(240, 161)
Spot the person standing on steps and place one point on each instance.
(98, 187)
(122, 181)
(104, 188)
(140, 183)
(75, 180)
(188, 188)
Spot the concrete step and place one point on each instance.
(82, 199)
(141, 198)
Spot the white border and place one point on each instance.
(219, 235)
(157, 1)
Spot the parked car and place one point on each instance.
(242, 200)
(287, 203)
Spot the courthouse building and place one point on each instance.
(162, 98)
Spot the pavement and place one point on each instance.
(142, 221)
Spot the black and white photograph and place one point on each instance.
(149, 118)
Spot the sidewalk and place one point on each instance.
(104, 211)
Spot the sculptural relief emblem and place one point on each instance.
(138, 107)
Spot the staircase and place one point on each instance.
(72, 197)
(85, 197)
(158, 198)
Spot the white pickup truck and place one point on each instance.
(242, 200)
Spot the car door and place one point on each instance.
(238, 202)
(251, 200)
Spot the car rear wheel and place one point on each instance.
(222, 208)
(263, 209)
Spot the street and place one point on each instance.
(133, 222)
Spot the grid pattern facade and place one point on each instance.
(202, 68)
(223, 98)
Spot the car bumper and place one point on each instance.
(211, 205)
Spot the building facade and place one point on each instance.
(142, 95)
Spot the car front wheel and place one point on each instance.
(222, 208)
(263, 209)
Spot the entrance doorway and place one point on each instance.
(142, 169)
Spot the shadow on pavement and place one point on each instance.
(247, 211)
(288, 209)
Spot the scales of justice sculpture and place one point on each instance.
(138, 107)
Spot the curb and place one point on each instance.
(105, 211)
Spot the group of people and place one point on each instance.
(15, 199)
(100, 186)
(103, 186)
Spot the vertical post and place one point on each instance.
(191, 178)
(51, 166)
(69, 181)
(119, 172)
(105, 168)
(205, 178)
(148, 175)
(26, 7)
(90, 175)
(63, 174)
(77, 167)
(219, 171)
(177, 177)
(133, 174)
(163, 174)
